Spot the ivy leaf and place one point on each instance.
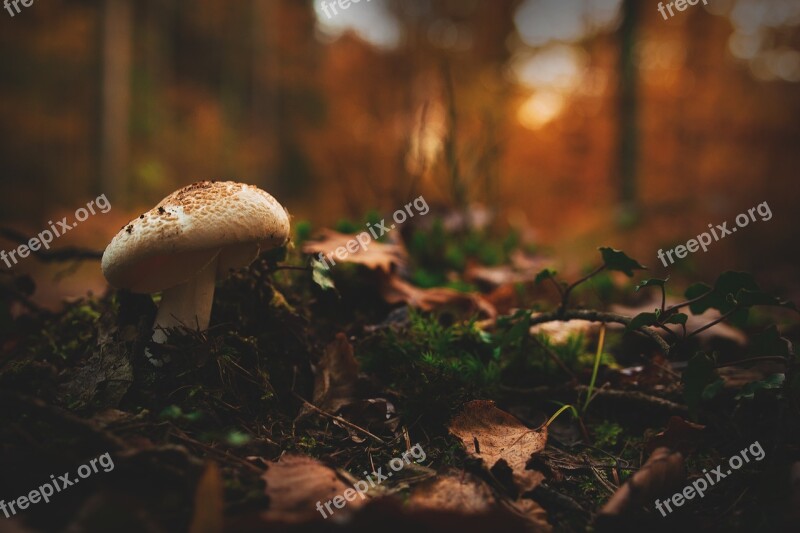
(619, 261)
(654, 282)
(677, 318)
(732, 282)
(769, 342)
(696, 290)
(544, 275)
(699, 373)
(775, 381)
(749, 298)
(722, 295)
(642, 319)
(321, 275)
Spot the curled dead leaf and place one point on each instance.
(372, 254)
(394, 290)
(500, 440)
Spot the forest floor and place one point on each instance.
(412, 386)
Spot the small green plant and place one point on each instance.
(595, 368)
(569, 407)
(607, 434)
(733, 295)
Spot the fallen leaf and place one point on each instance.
(463, 493)
(467, 494)
(394, 291)
(335, 376)
(534, 513)
(208, 502)
(661, 474)
(373, 254)
(500, 440)
(294, 486)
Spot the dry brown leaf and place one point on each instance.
(394, 290)
(498, 438)
(208, 502)
(335, 376)
(466, 494)
(373, 254)
(294, 486)
(463, 493)
(662, 473)
(534, 513)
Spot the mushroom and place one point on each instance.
(193, 237)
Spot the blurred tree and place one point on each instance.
(115, 118)
(628, 131)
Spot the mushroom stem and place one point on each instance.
(188, 304)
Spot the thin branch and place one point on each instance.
(337, 418)
(776, 358)
(565, 295)
(638, 397)
(558, 287)
(665, 328)
(687, 302)
(597, 316)
(713, 322)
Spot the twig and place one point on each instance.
(558, 287)
(565, 296)
(598, 316)
(713, 322)
(687, 302)
(337, 418)
(639, 397)
(776, 358)
(180, 434)
(606, 485)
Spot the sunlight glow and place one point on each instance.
(540, 109)
(371, 20)
(542, 21)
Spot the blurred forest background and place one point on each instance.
(575, 123)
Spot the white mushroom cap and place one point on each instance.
(170, 243)
(192, 237)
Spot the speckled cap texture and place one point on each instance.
(191, 227)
